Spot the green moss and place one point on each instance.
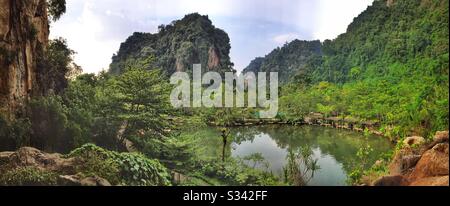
(28, 176)
(95, 165)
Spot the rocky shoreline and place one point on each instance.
(316, 119)
(419, 163)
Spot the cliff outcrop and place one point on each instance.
(24, 31)
(177, 46)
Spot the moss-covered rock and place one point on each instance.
(88, 165)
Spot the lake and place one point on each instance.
(335, 150)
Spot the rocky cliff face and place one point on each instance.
(24, 30)
(191, 40)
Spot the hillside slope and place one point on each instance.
(391, 67)
(176, 47)
(413, 33)
(288, 61)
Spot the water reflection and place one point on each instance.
(334, 149)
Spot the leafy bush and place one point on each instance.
(14, 134)
(139, 170)
(28, 176)
(94, 165)
(133, 168)
(361, 166)
(177, 152)
(51, 129)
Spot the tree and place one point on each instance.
(50, 128)
(57, 65)
(143, 99)
(56, 8)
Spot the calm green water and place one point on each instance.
(334, 149)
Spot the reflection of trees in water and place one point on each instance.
(256, 160)
(225, 135)
(244, 134)
(301, 166)
(340, 144)
(292, 137)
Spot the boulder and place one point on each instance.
(402, 161)
(94, 181)
(32, 157)
(424, 166)
(433, 162)
(4, 157)
(409, 161)
(431, 181)
(394, 180)
(179, 178)
(414, 140)
(441, 136)
(79, 180)
(68, 180)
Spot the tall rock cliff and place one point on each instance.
(191, 40)
(24, 31)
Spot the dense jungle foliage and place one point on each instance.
(390, 67)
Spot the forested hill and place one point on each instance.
(289, 60)
(388, 32)
(404, 33)
(177, 46)
(390, 66)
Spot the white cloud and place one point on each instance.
(333, 17)
(95, 29)
(95, 33)
(93, 53)
(283, 38)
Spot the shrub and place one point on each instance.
(138, 170)
(97, 166)
(28, 176)
(49, 124)
(133, 168)
(175, 151)
(14, 134)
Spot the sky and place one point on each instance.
(94, 29)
